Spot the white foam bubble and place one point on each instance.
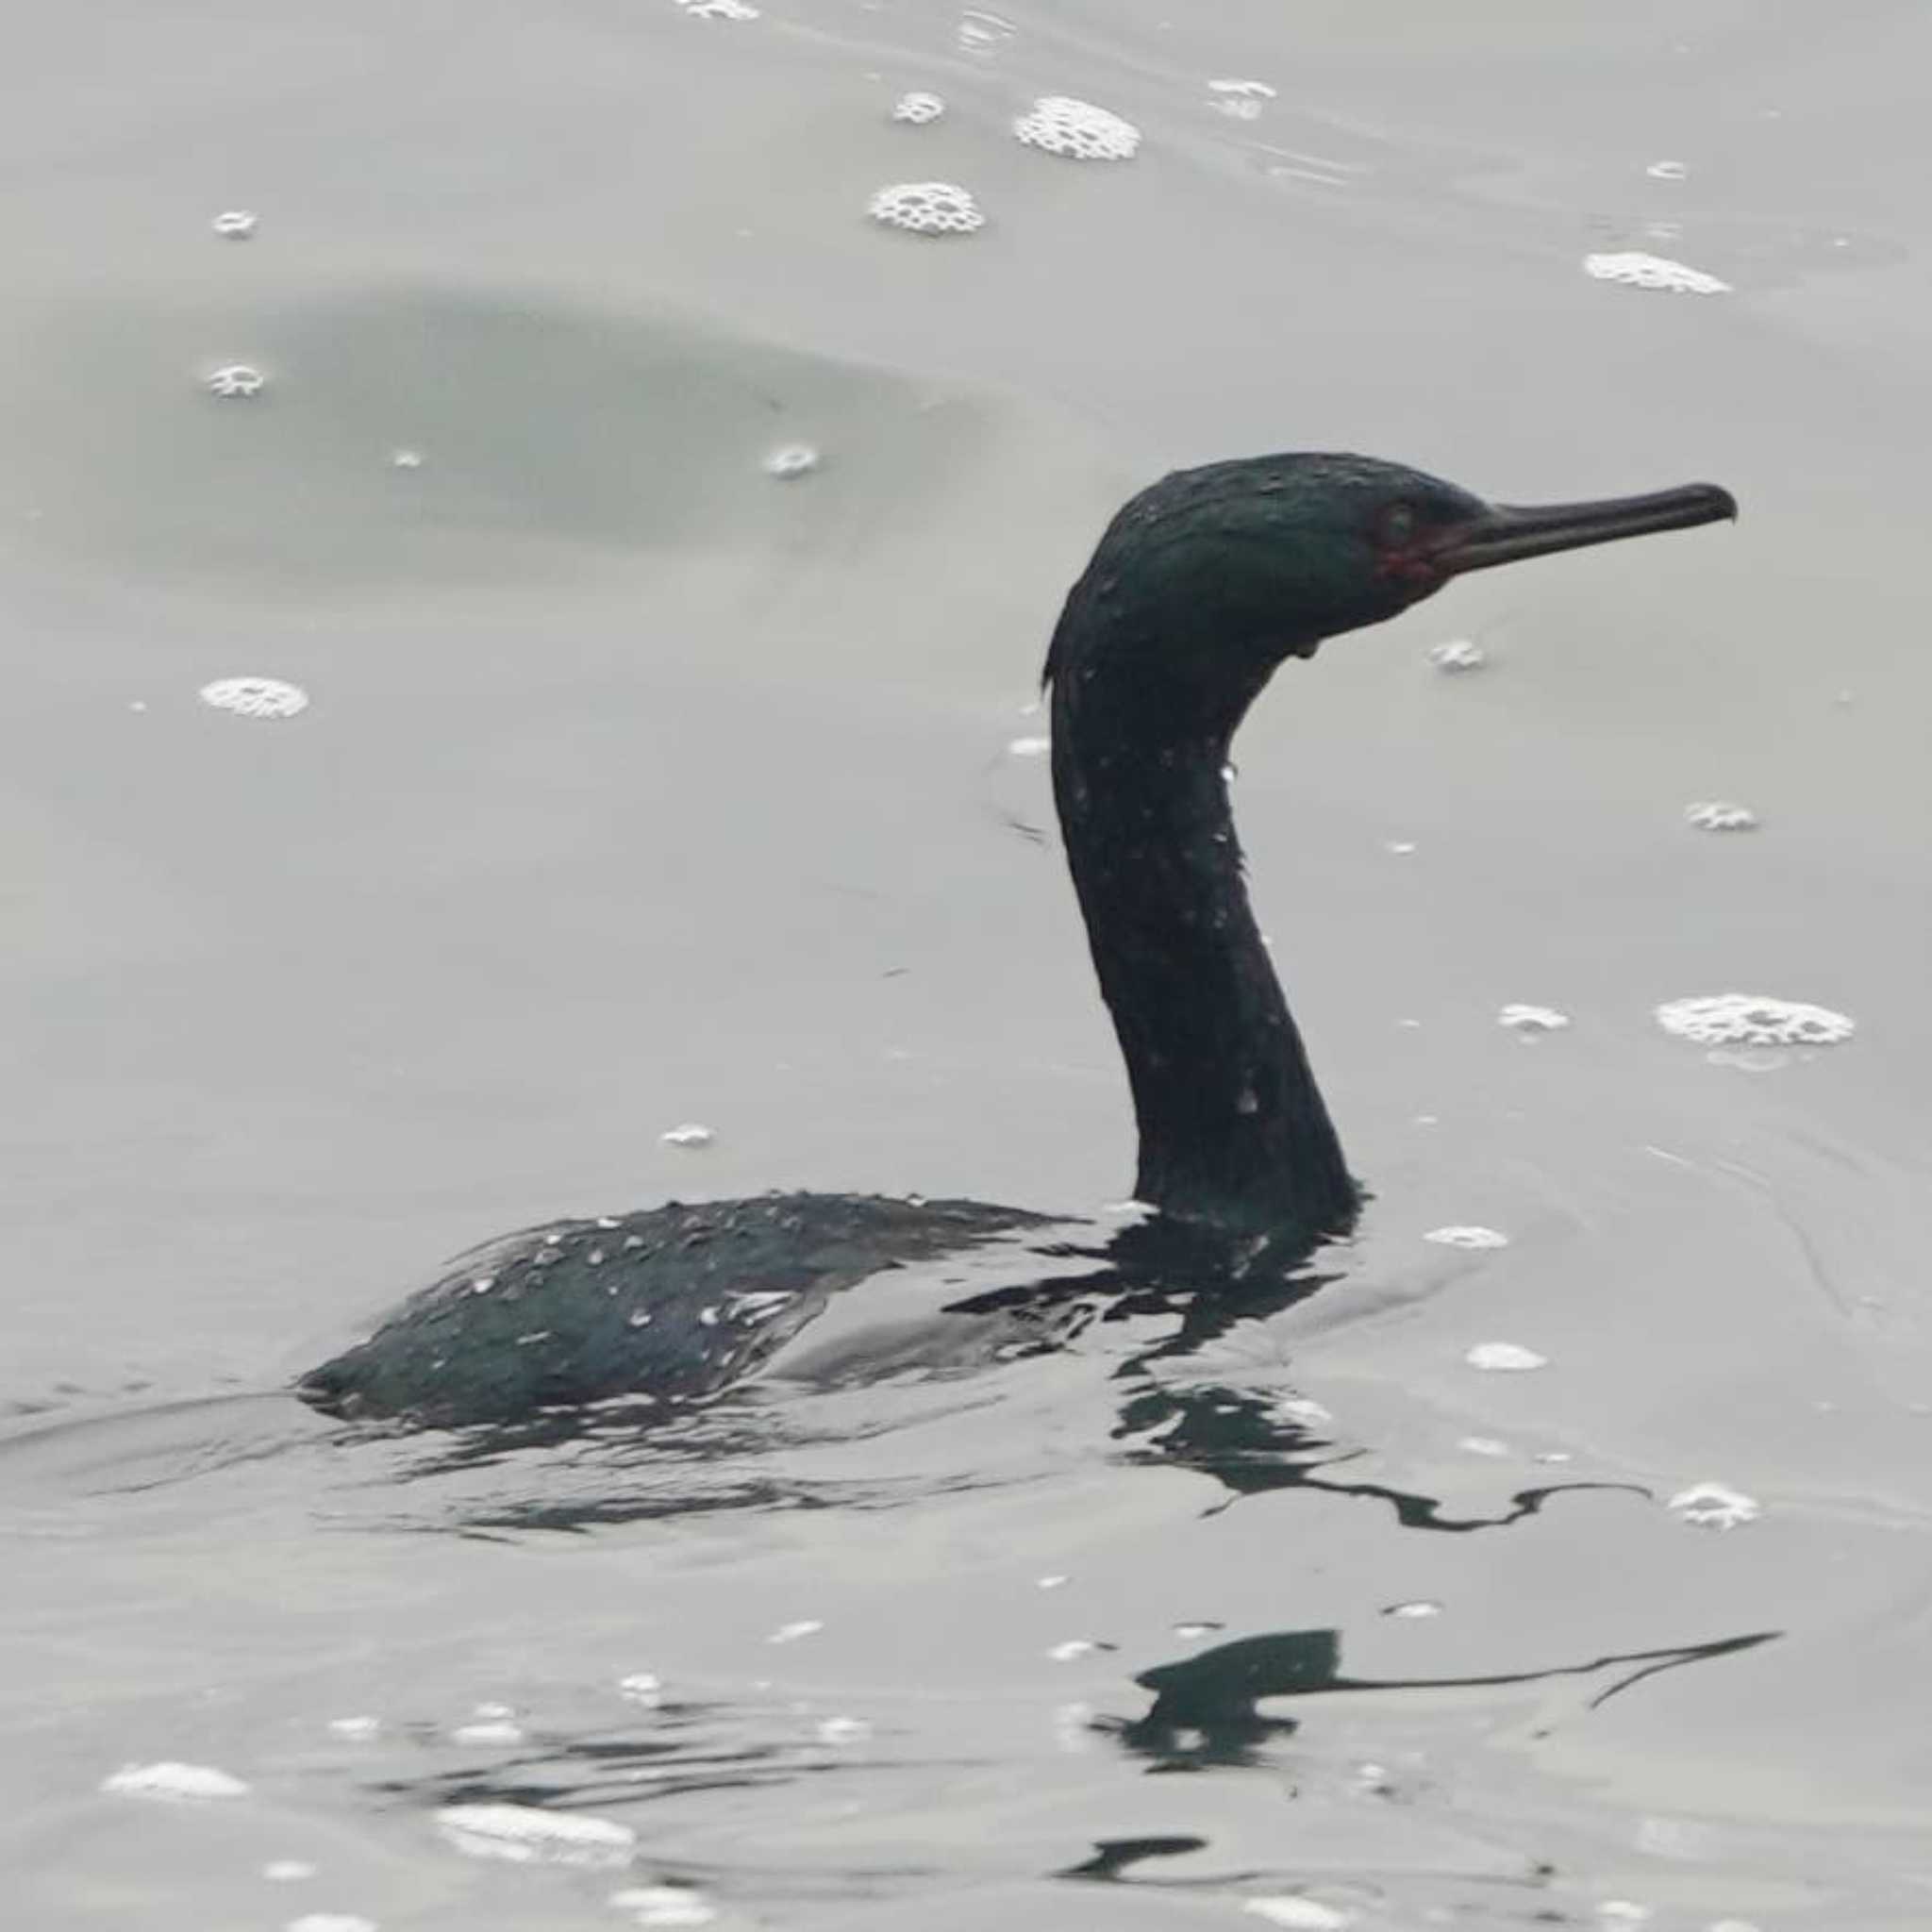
(716, 9)
(1029, 747)
(235, 379)
(664, 1904)
(491, 1731)
(793, 459)
(406, 459)
(1637, 270)
(235, 223)
(1467, 1238)
(1527, 1019)
(173, 1780)
(1459, 654)
(690, 1134)
(1720, 815)
(359, 1728)
(1416, 1609)
(790, 1632)
(287, 1871)
(1742, 1018)
(1059, 124)
(1301, 1914)
(1072, 1649)
(331, 1921)
(255, 697)
(1667, 171)
(1505, 1358)
(926, 207)
(643, 1688)
(843, 1730)
(525, 1835)
(918, 109)
(1714, 1506)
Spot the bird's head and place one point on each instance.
(1208, 580)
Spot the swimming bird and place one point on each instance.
(1201, 587)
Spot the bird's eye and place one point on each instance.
(1398, 525)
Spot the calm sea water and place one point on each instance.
(639, 786)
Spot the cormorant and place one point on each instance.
(1202, 586)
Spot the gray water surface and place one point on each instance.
(638, 787)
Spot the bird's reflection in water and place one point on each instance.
(1248, 1445)
(1115, 1857)
(1206, 1707)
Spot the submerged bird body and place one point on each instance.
(670, 1304)
(1199, 589)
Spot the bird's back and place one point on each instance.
(664, 1306)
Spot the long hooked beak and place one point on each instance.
(1506, 532)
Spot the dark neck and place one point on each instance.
(1233, 1129)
